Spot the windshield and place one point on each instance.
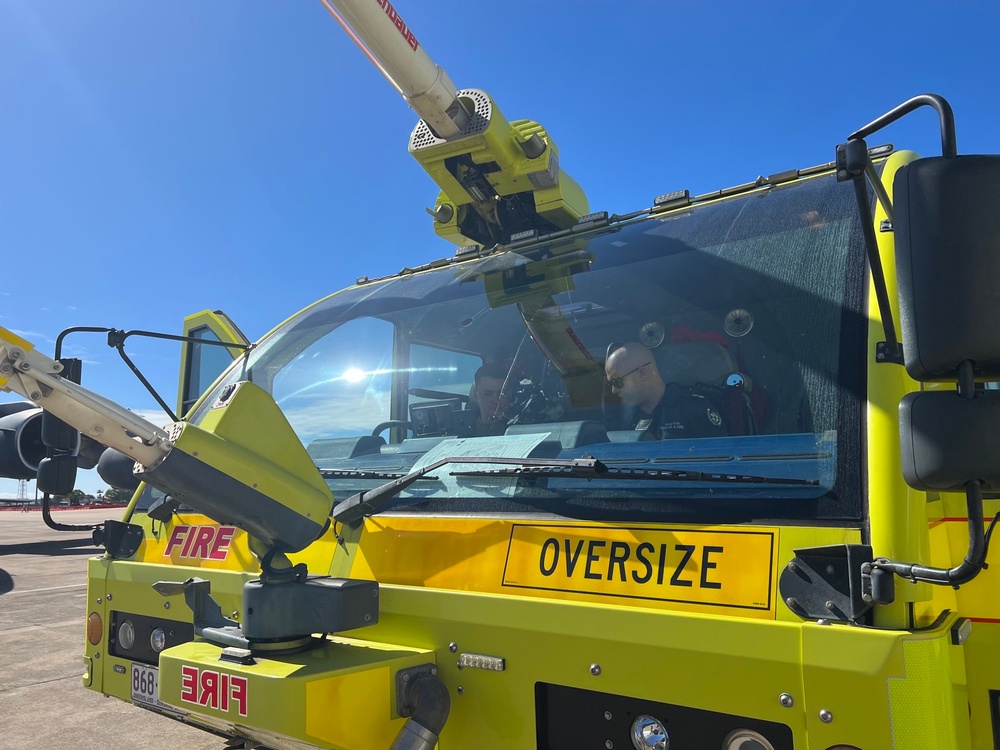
(725, 340)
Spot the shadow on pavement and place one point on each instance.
(6, 582)
(51, 548)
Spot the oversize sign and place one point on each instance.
(711, 568)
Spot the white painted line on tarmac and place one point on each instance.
(50, 588)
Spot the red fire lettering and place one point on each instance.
(189, 540)
(213, 689)
(202, 546)
(189, 684)
(239, 693)
(222, 539)
(209, 689)
(204, 542)
(176, 535)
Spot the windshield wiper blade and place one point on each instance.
(613, 472)
(359, 474)
(363, 504)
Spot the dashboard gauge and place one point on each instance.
(738, 322)
(652, 334)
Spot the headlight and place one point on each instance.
(649, 734)
(746, 739)
(126, 635)
(158, 640)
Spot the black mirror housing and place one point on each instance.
(57, 475)
(947, 233)
(947, 440)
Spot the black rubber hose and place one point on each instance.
(431, 702)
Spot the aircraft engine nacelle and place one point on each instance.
(21, 446)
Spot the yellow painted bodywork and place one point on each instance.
(435, 594)
(340, 694)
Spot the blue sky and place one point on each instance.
(157, 159)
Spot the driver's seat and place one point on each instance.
(693, 362)
(706, 365)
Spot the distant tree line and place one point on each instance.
(110, 496)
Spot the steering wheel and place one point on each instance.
(392, 423)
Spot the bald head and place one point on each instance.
(631, 370)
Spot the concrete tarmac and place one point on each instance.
(43, 704)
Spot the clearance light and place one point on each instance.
(649, 734)
(158, 640)
(961, 631)
(95, 628)
(126, 634)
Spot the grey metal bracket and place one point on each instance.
(825, 583)
(209, 622)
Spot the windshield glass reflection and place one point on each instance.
(709, 341)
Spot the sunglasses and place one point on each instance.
(619, 382)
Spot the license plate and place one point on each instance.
(146, 685)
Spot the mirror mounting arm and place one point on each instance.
(975, 558)
(852, 164)
(116, 340)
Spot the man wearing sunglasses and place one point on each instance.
(662, 410)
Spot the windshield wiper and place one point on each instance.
(360, 474)
(614, 472)
(363, 504)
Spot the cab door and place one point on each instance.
(202, 363)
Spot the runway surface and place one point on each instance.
(43, 704)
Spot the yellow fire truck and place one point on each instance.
(432, 509)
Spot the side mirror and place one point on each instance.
(947, 231)
(947, 440)
(57, 472)
(57, 475)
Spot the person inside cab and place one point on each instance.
(491, 399)
(661, 410)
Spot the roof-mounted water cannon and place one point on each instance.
(497, 177)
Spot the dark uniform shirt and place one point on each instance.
(682, 413)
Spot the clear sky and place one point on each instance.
(157, 159)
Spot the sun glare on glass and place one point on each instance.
(354, 375)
